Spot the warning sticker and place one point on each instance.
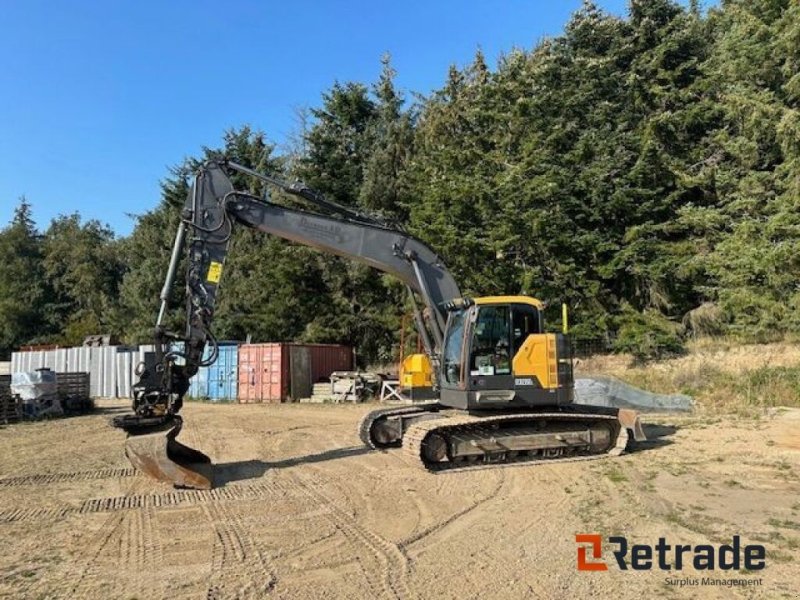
(214, 272)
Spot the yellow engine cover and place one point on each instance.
(416, 371)
(538, 357)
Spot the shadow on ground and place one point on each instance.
(252, 469)
(107, 410)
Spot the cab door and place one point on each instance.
(489, 362)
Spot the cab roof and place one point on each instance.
(510, 300)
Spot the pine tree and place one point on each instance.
(81, 264)
(24, 294)
(385, 187)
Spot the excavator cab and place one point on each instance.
(496, 355)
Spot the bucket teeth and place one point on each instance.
(162, 457)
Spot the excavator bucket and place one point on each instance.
(162, 457)
(630, 420)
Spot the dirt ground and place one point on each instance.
(303, 511)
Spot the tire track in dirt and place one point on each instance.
(541, 521)
(86, 582)
(393, 563)
(505, 493)
(236, 553)
(354, 546)
(136, 551)
(436, 527)
(38, 514)
(49, 478)
(138, 501)
(153, 549)
(265, 432)
(131, 541)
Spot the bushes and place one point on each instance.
(647, 335)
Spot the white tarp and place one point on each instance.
(37, 389)
(609, 391)
(33, 385)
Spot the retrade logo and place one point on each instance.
(595, 543)
(668, 557)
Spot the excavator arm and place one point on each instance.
(213, 209)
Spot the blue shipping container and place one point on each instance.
(218, 382)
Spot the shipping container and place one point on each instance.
(218, 381)
(285, 371)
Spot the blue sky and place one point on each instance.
(99, 98)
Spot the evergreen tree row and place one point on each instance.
(645, 170)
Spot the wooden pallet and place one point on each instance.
(73, 391)
(10, 406)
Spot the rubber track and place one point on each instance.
(368, 419)
(415, 435)
(45, 479)
(174, 498)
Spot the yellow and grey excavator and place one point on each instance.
(503, 386)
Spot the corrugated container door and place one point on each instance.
(215, 372)
(223, 374)
(234, 385)
(273, 372)
(327, 358)
(227, 372)
(300, 385)
(226, 376)
(249, 373)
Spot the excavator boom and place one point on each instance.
(212, 211)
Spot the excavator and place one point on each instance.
(503, 386)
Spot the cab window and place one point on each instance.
(491, 342)
(525, 321)
(453, 344)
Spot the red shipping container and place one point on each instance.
(276, 372)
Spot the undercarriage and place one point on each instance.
(439, 438)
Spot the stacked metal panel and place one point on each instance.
(103, 372)
(126, 362)
(112, 369)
